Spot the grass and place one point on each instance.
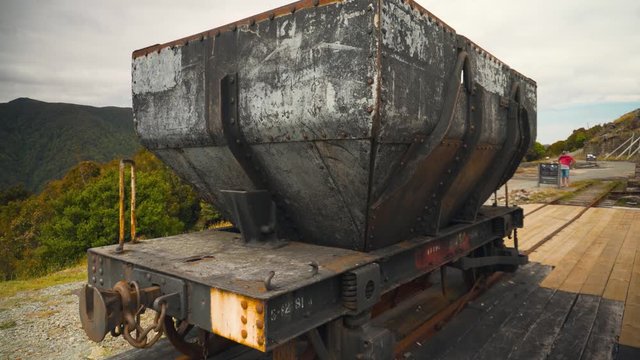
(73, 274)
(7, 324)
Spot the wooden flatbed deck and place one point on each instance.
(579, 298)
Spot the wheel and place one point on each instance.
(195, 347)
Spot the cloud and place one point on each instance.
(579, 52)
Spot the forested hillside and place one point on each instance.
(41, 141)
(54, 228)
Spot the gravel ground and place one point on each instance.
(44, 324)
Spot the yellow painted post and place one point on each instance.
(120, 247)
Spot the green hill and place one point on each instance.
(41, 141)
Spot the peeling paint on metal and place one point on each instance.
(156, 72)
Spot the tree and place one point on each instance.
(535, 152)
(54, 229)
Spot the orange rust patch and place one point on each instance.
(238, 318)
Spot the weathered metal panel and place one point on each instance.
(351, 113)
(310, 190)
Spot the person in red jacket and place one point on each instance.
(565, 160)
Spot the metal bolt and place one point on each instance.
(93, 269)
(244, 304)
(260, 341)
(100, 271)
(244, 333)
(260, 324)
(259, 308)
(93, 279)
(243, 319)
(101, 282)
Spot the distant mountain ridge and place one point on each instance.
(41, 141)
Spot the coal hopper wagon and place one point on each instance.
(352, 144)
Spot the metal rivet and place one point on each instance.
(369, 109)
(93, 279)
(100, 271)
(244, 304)
(243, 319)
(259, 308)
(93, 269)
(101, 282)
(260, 341)
(369, 81)
(272, 16)
(316, 2)
(260, 324)
(244, 334)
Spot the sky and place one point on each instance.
(584, 54)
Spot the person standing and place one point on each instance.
(565, 160)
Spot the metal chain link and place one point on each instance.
(132, 321)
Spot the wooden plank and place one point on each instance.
(578, 275)
(628, 353)
(630, 334)
(620, 277)
(506, 291)
(604, 333)
(569, 261)
(513, 330)
(574, 334)
(528, 208)
(563, 241)
(531, 234)
(539, 339)
(493, 320)
(598, 277)
(583, 227)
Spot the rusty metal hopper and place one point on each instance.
(369, 122)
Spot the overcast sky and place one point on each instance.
(584, 54)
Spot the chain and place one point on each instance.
(132, 320)
(141, 340)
